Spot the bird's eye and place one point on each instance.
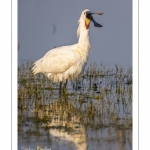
(84, 12)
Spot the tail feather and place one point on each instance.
(37, 66)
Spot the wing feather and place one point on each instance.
(55, 61)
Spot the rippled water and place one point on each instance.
(94, 112)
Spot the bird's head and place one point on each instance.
(86, 15)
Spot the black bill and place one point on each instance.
(89, 16)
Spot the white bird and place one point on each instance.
(67, 62)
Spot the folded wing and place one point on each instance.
(55, 61)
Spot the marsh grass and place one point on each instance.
(100, 98)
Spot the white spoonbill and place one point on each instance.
(67, 62)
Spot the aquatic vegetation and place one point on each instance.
(99, 99)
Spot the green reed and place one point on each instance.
(97, 92)
(100, 97)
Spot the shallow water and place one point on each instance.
(95, 112)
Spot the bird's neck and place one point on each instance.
(83, 35)
(84, 38)
(84, 46)
(84, 42)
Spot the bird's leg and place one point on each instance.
(65, 93)
(65, 84)
(60, 88)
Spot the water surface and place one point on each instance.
(94, 112)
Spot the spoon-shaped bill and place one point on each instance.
(95, 23)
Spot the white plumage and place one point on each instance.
(67, 62)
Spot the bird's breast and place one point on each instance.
(83, 52)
